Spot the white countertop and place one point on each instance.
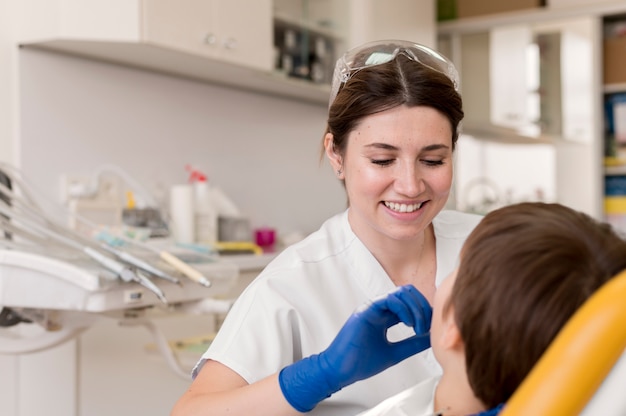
(249, 262)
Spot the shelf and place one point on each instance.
(187, 65)
(545, 14)
(285, 20)
(615, 170)
(504, 135)
(613, 88)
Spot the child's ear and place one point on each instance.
(451, 335)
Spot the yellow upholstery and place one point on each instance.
(584, 352)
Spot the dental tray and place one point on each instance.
(29, 280)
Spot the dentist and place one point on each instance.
(392, 128)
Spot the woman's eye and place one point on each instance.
(382, 162)
(429, 162)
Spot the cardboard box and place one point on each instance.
(615, 60)
(473, 8)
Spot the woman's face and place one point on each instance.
(397, 169)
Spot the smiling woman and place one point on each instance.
(398, 173)
(392, 129)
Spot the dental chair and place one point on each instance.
(583, 372)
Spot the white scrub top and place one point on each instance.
(418, 400)
(300, 301)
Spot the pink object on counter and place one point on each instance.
(265, 238)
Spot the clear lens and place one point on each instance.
(380, 52)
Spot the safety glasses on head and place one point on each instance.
(383, 51)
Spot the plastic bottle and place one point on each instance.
(182, 213)
(205, 212)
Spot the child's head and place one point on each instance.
(523, 272)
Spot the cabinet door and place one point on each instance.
(245, 34)
(509, 75)
(236, 31)
(184, 25)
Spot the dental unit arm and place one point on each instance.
(63, 299)
(56, 282)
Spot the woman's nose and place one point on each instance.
(409, 182)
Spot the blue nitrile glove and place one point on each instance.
(360, 350)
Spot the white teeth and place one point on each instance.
(402, 207)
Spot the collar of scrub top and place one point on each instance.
(491, 412)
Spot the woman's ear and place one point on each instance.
(334, 158)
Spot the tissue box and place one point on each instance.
(234, 229)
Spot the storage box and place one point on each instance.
(615, 117)
(473, 8)
(446, 10)
(615, 60)
(615, 201)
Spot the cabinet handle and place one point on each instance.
(230, 43)
(210, 39)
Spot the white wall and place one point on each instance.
(262, 151)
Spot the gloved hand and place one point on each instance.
(360, 350)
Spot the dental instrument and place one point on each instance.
(123, 272)
(60, 281)
(140, 264)
(187, 270)
(179, 265)
(33, 208)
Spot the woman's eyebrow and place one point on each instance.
(436, 146)
(385, 146)
(430, 147)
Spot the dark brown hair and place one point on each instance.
(401, 81)
(524, 271)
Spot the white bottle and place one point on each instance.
(205, 212)
(182, 214)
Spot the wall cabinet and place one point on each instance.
(533, 78)
(228, 42)
(308, 37)
(510, 71)
(528, 79)
(237, 43)
(215, 29)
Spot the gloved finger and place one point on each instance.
(380, 313)
(419, 307)
(412, 308)
(398, 305)
(410, 346)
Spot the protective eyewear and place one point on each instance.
(380, 52)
